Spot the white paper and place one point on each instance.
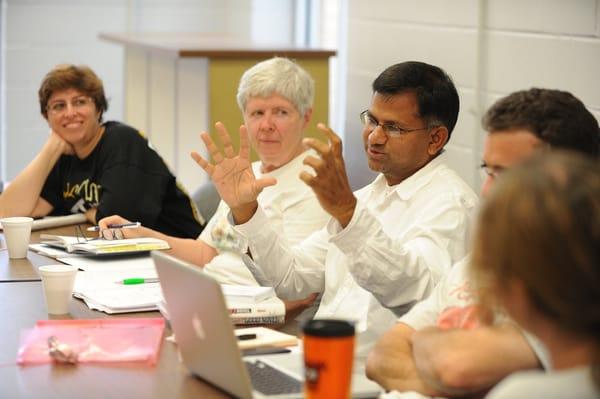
(109, 263)
(103, 290)
(247, 293)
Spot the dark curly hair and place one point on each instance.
(555, 117)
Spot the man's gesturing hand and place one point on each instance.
(330, 182)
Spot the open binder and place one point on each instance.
(99, 246)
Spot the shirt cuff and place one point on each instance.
(251, 228)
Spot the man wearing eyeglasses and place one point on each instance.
(441, 347)
(385, 246)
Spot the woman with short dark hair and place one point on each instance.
(99, 169)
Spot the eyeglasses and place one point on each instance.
(390, 129)
(77, 103)
(490, 171)
(80, 235)
(106, 234)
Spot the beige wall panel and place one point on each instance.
(162, 99)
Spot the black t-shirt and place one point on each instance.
(122, 176)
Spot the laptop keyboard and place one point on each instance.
(269, 381)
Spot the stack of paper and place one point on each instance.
(253, 304)
(101, 287)
(129, 264)
(269, 311)
(104, 290)
(247, 293)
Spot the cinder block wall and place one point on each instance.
(490, 48)
(39, 34)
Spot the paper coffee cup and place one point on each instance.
(58, 281)
(17, 231)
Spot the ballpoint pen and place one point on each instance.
(246, 337)
(138, 280)
(131, 225)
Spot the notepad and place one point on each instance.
(265, 337)
(103, 247)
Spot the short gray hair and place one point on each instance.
(281, 76)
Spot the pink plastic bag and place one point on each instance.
(95, 340)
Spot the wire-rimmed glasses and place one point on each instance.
(106, 234)
(80, 235)
(77, 103)
(390, 129)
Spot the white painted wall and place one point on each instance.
(548, 43)
(38, 34)
(524, 43)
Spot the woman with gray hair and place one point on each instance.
(275, 97)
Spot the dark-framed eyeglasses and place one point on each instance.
(390, 129)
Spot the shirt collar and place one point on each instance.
(413, 184)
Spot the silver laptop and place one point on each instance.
(209, 348)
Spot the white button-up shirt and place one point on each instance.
(291, 207)
(400, 241)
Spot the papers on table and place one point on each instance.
(265, 337)
(99, 284)
(100, 246)
(247, 294)
(128, 264)
(49, 251)
(103, 290)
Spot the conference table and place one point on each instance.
(22, 304)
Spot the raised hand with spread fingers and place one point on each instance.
(330, 182)
(232, 174)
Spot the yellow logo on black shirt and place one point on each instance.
(89, 191)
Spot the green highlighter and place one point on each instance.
(138, 280)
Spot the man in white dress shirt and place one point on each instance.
(385, 246)
(439, 348)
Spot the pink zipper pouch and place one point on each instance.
(92, 341)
